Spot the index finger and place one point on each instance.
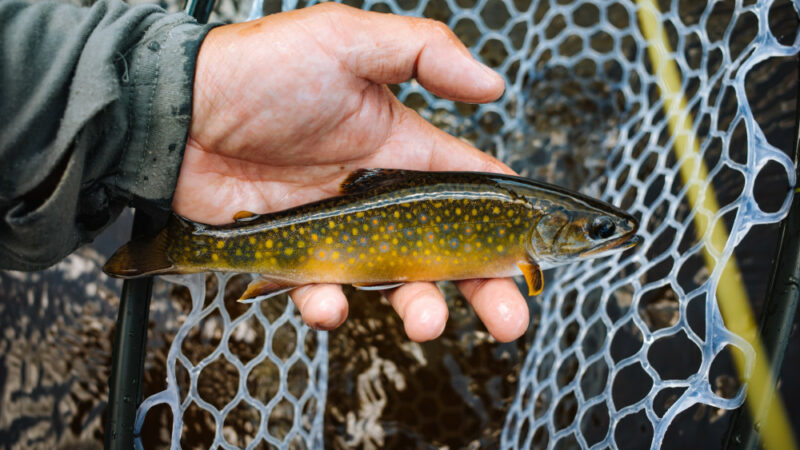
(389, 49)
(414, 143)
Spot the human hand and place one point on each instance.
(286, 106)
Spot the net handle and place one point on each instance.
(130, 339)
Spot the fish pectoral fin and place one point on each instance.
(375, 287)
(262, 289)
(533, 276)
(244, 216)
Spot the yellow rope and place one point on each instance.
(776, 432)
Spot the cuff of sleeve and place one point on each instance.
(157, 82)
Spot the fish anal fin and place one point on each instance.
(263, 287)
(533, 276)
(243, 216)
(375, 286)
(367, 179)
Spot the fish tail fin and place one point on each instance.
(141, 257)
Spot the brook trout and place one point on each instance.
(394, 226)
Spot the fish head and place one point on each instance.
(579, 230)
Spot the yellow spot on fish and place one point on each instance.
(397, 214)
(438, 258)
(485, 218)
(301, 244)
(273, 260)
(238, 252)
(404, 249)
(510, 213)
(499, 248)
(474, 212)
(215, 257)
(335, 255)
(258, 255)
(314, 237)
(351, 261)
(220, 244)
(269, 243)
(362, 256)
(321, 254)
(289, 251)
(495, 210)
(331, 224)
(285, 234)
(394, 241)
(252, 240)
(365, 227)
(360, 214)
(329, 240)
(458, 211)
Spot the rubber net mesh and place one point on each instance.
(582, 108)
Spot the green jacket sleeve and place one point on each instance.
(95, 105)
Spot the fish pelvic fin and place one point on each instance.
(141, 257)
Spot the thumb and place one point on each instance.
(388, 49)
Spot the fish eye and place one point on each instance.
(602, 227)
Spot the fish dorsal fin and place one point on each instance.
(244, 216)
(367, 179)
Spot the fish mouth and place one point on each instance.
(622, 243)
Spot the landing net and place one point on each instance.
(584, 108)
